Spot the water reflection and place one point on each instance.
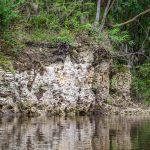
(79, 133)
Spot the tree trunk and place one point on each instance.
(98, 11)
(104, 16)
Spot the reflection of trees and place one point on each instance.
(55, 133)
(111, 133)
(100, 138)
(140, 134)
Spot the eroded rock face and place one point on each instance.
(121, 84)
(77, 84)
(64, 85)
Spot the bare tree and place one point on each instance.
(105, 15)
(98, 11)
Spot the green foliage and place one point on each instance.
(5, 62)
(120, 68)
(65, 36)
(41, 35)
(114, 82)
(45, 21)
(71, 15)
(10, 39)
(141, 82)
(40, 21)
(118, 36)
(137, 30)
(60, 22)
(87, 27)
(9, 11)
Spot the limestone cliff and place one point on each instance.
(62, 79)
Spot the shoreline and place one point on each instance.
(107, 110)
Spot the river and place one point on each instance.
(75, 133)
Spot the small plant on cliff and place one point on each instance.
(117, 36)
(5, 63)
(114, 82)
(65, 37)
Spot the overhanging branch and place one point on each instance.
(133, 19)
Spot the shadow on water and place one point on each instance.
(76, 133)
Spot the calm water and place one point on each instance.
(78, 133)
